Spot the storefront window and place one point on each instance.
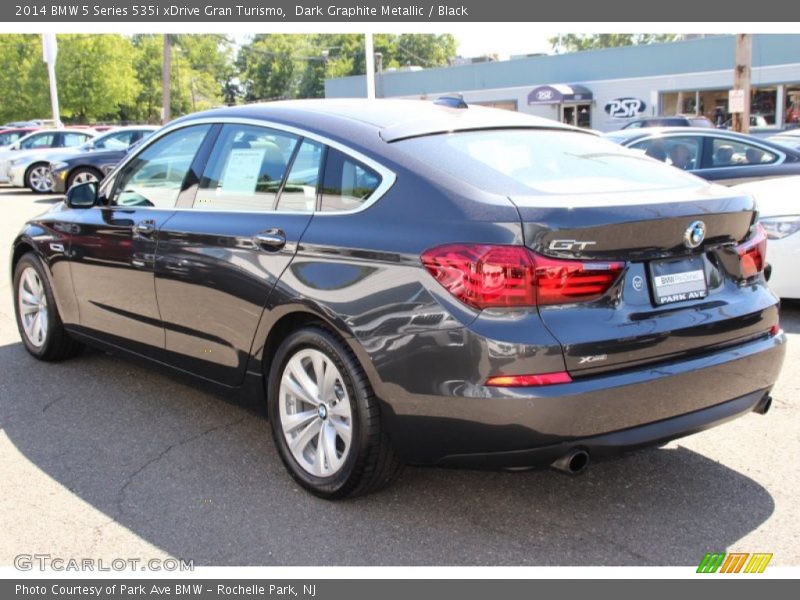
(793, 105)
(713, 104)
(503, 104)
(762, 106)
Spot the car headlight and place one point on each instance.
(780, 227)
(58, 166)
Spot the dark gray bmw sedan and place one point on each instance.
(406, 282)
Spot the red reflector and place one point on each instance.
(775, 330)
(529, 380)
(484, 276)
(753, 253)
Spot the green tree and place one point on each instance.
(290, 66)
(95, 76)
(577, 42)
(23, 78)
(200, 73)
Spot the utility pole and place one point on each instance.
(741, 81)
(165, 71)
(379, 75)
(50, 50)
(369, 50)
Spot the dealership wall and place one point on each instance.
(643, 72)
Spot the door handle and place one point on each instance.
(271, 239)
(145, 228)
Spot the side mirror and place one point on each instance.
(83, 195)
(14, 147)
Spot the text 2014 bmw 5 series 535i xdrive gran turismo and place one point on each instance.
(409, 282)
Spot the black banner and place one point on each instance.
(283, 11)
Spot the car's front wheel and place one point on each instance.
(83, 175)
(38, 178)
(39, 323)
(325, 417)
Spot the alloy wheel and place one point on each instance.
(315, 414)
(84, 177)
(32, 302)
(40, 179)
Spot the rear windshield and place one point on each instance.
(525, 161)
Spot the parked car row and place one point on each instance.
(78, 155)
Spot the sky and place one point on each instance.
(497, 41)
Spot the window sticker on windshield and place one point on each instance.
(242, 171)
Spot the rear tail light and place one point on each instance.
(753, 253)
(529, 380)
(484, 276)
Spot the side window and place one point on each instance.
(300, 190)
(70, 139)
(155, 176)
(44, 140)
(682, 152)
(347, 183)
(732, 153)
(116, 141)
(245, 169)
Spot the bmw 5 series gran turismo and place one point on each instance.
(408, 282)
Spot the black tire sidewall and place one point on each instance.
(30, 260)
(320, 339)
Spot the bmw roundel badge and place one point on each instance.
(694, 234)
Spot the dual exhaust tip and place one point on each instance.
(576, 461)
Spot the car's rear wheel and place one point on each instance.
(83, 175)
(38, 321)
(325, 418)
(38, 178)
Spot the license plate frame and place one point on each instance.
(678, 280)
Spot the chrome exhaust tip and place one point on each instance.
(572, 463)
(763, 405)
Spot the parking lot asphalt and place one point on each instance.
(105, 458)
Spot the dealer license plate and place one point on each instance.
(678, 280)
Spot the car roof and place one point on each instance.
(392, 119)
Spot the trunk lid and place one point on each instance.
(657, 308)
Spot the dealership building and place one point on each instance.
(604, 89)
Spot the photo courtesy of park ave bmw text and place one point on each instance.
(323, 300)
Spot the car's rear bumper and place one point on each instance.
(616, 442)
(607, 413)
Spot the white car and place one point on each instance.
(778, 202)
(36, 174)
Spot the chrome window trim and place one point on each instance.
(708, 134)
(388, 176)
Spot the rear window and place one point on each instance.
(546, 162)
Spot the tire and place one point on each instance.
(82, 175)
(367, 463)
(37, 177)
(49, 341)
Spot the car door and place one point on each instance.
(681, 151)
(43, 139)
(113, 248)
(730, 161)
(71, 139)
(220, 256)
